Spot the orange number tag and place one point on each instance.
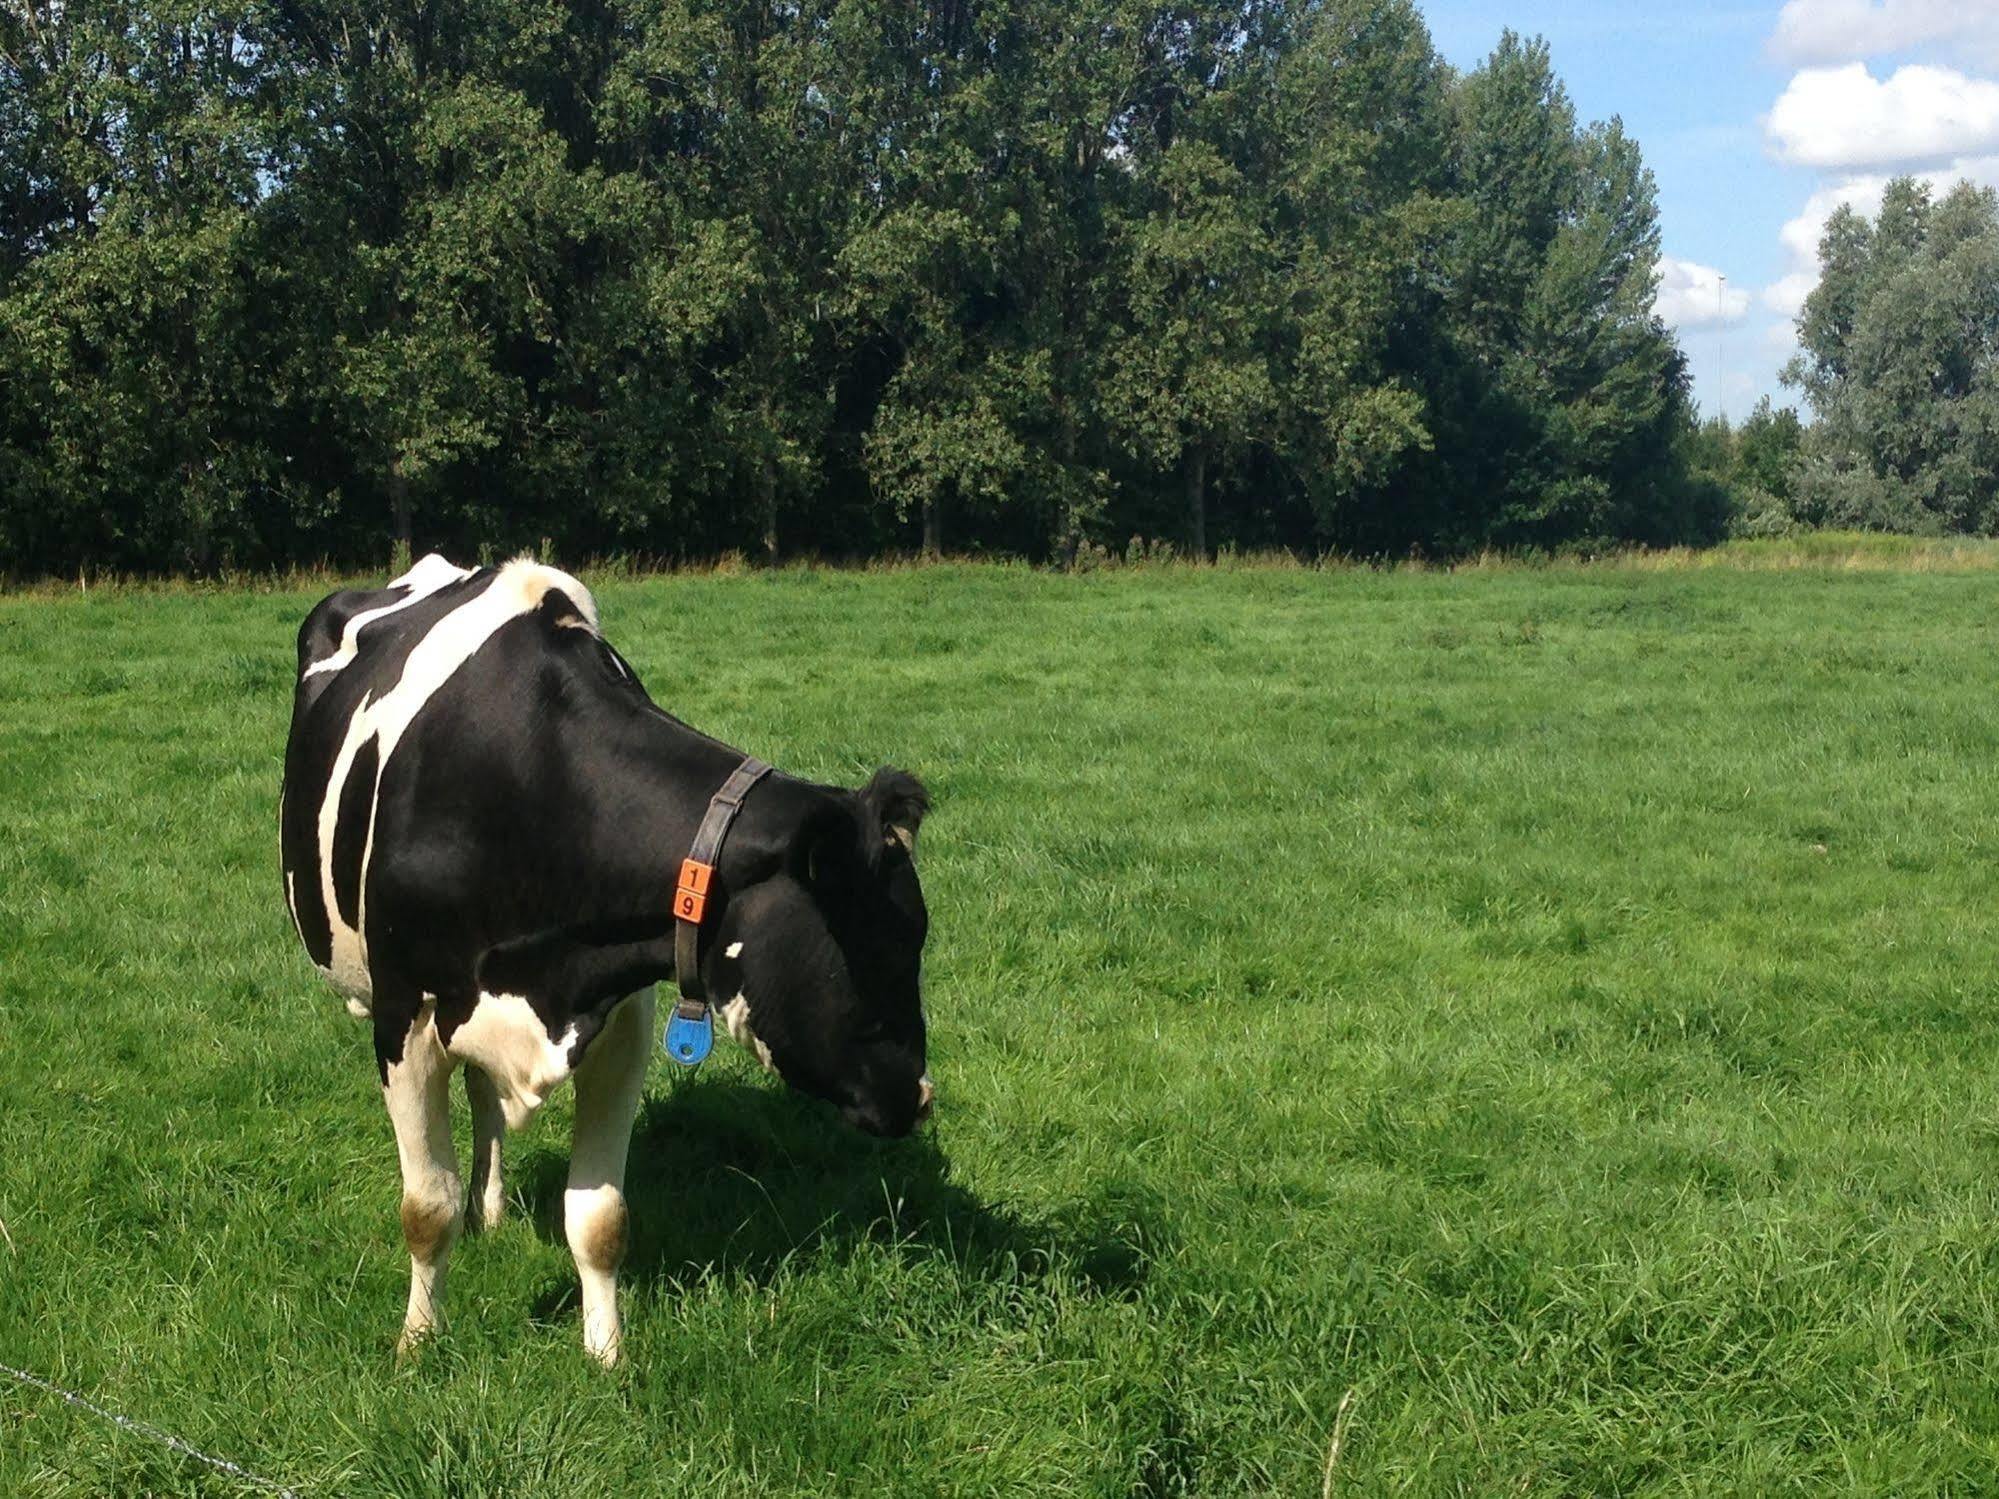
(690, 901)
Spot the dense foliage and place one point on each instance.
(284, 280)
(1900, 361)
(1750, 470)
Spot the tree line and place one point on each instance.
(290, 280)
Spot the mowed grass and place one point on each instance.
(1554, 1006)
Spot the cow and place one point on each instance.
(481, 821)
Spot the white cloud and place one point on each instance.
(1818, 31)
(1845, 117)
(1788, 292)
(1780, 340)
(1694, 296)
(1801, 235)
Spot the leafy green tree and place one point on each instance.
(1356, 158)
(1897, 357)
(1558, 395)
(1192, 367)
(1080, 86)
(1192, 383)
(127, 289)
(921, 264)
(1767, 445)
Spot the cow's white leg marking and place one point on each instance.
(608, 1085)
(508, 1041)
(418, 1093)
(489, 1129)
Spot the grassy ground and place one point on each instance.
(1553, 1006)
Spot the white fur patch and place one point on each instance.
(431, 571)
(736, 1016)
(433, 661)
(505, 1037)
(422, 580)
(733, 950)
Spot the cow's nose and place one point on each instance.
(925, 1092)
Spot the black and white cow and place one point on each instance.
(482, 820)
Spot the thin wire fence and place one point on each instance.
(141, 1428)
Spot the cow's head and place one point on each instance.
(820, 967)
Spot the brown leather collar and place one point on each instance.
(697, 874)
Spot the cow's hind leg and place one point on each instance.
(489, 1129)
(416, 1084)
(608, 1085)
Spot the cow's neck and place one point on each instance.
(650, 800)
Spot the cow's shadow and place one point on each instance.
(742, 1179)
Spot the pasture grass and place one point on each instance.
(1553, 1006)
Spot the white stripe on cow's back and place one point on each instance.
(432, 661)
(424, 579)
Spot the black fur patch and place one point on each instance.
(350, 829)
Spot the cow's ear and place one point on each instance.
(895, 802)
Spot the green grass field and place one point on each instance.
(1553, 1007)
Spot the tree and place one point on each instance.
(1558, 396)
(1356, 157)
(1766, 455)
(1899, 356)
(127, 290)
(1191, 375)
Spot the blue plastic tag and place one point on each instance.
(688, 1042)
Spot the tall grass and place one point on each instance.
(1545, 1010)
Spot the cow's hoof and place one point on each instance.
(410, 1346)
(482, 1214)
(606, 1351)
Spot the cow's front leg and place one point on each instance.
(608, 1085)
(417, 1087)
(489, 1129)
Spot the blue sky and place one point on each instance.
(1757, 120)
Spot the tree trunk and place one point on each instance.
(1197, 501)
(933, 528)
(1069, 535)
(767, 506)
(399, 509)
